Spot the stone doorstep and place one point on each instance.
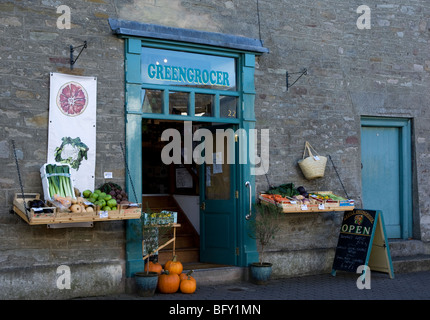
(403, 248)
(409, 256)
(220, 275)
(414, 263)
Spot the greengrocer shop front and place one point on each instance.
(199, 88)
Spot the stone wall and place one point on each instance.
(382, 71)
(31, 47)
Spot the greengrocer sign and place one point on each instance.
(168, 67)
(188, 75)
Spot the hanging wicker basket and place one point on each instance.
(313, 166)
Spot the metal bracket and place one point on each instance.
(287, 76)
(72, 49)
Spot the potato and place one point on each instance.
(76, 208)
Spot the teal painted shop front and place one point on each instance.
(196, 78)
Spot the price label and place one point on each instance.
(304, 207)
(321, 206)
(104, 214)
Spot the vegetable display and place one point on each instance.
(108, 196)
(285, 190)
(168, 282)
(59, 181)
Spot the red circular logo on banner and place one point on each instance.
(72, 99)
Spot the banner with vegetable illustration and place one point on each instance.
(72, 126)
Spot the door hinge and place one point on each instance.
(237, 251)
(236, 194)
(236, 137)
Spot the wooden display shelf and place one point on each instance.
(57, 217)
(309, 208)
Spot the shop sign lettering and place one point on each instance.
(365, 231)
(188, 75)
(170, 67)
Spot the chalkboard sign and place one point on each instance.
(356, 247)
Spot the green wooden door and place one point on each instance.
(385, 175)
(218, 221)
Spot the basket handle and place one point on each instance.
(308, 147)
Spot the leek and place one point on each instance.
(59, 182)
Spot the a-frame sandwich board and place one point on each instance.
(363, 241)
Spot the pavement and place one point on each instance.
(315, 296)
(342, 286)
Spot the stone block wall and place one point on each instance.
(31, 47)
(382, 71)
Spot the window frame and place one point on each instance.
(166, 89)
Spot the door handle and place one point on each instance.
(248, 185)
(203, 206)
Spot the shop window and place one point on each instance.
(228, 107)
(204, 105)
(178, 103)
(189, 84)
(152, 101)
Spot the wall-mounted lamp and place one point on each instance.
(287, 76)
(72, 49)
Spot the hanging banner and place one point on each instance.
(72, 126)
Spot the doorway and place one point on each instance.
(386, 172)
(203, 192)
(218, 198)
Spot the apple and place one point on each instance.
(106, 208)
(107, 197)
(111, 203)
(86, 193)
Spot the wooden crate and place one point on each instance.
(33, 216)
(334, 203)
(131, 210)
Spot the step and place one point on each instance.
(210, 274)
(404, 248)
(182, 241)
(411, 263)
(183, 254)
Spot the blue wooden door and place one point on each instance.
(381, 175)
(218, 224)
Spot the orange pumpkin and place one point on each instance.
(188, 285)
(154, 267)
(174, 266)
(168, 282)
(185, 276)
